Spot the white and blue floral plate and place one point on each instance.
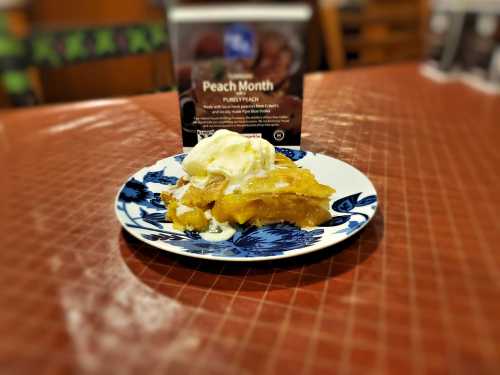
(142, 213)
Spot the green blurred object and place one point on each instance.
(3, 22)
(159, 36)
(75, 46)
(104, 43)
(43, 53)
(138, 41)
(16, 82)
(10, 47)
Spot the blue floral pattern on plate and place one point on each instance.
(246, 242)
(295, 155)
(142, 213)
(180, 158)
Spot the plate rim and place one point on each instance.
(289, 254)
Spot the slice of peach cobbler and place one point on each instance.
(234, 180)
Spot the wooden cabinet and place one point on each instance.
(108, 77)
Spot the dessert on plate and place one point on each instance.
(234, 180)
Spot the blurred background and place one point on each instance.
(59, 51)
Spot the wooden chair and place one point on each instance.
(375, 32)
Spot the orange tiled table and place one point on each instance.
(416, 292)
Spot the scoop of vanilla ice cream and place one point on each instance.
(230, 154)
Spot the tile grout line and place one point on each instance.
(310, 354)
(344, 365)
(382, 352)
(191, 309)
(216, 333)
(478, 230)
(414, 311)
(464, 266)
(284, 326)
(253, 322)
(319, 315)
(444, 313)
(202, 354)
